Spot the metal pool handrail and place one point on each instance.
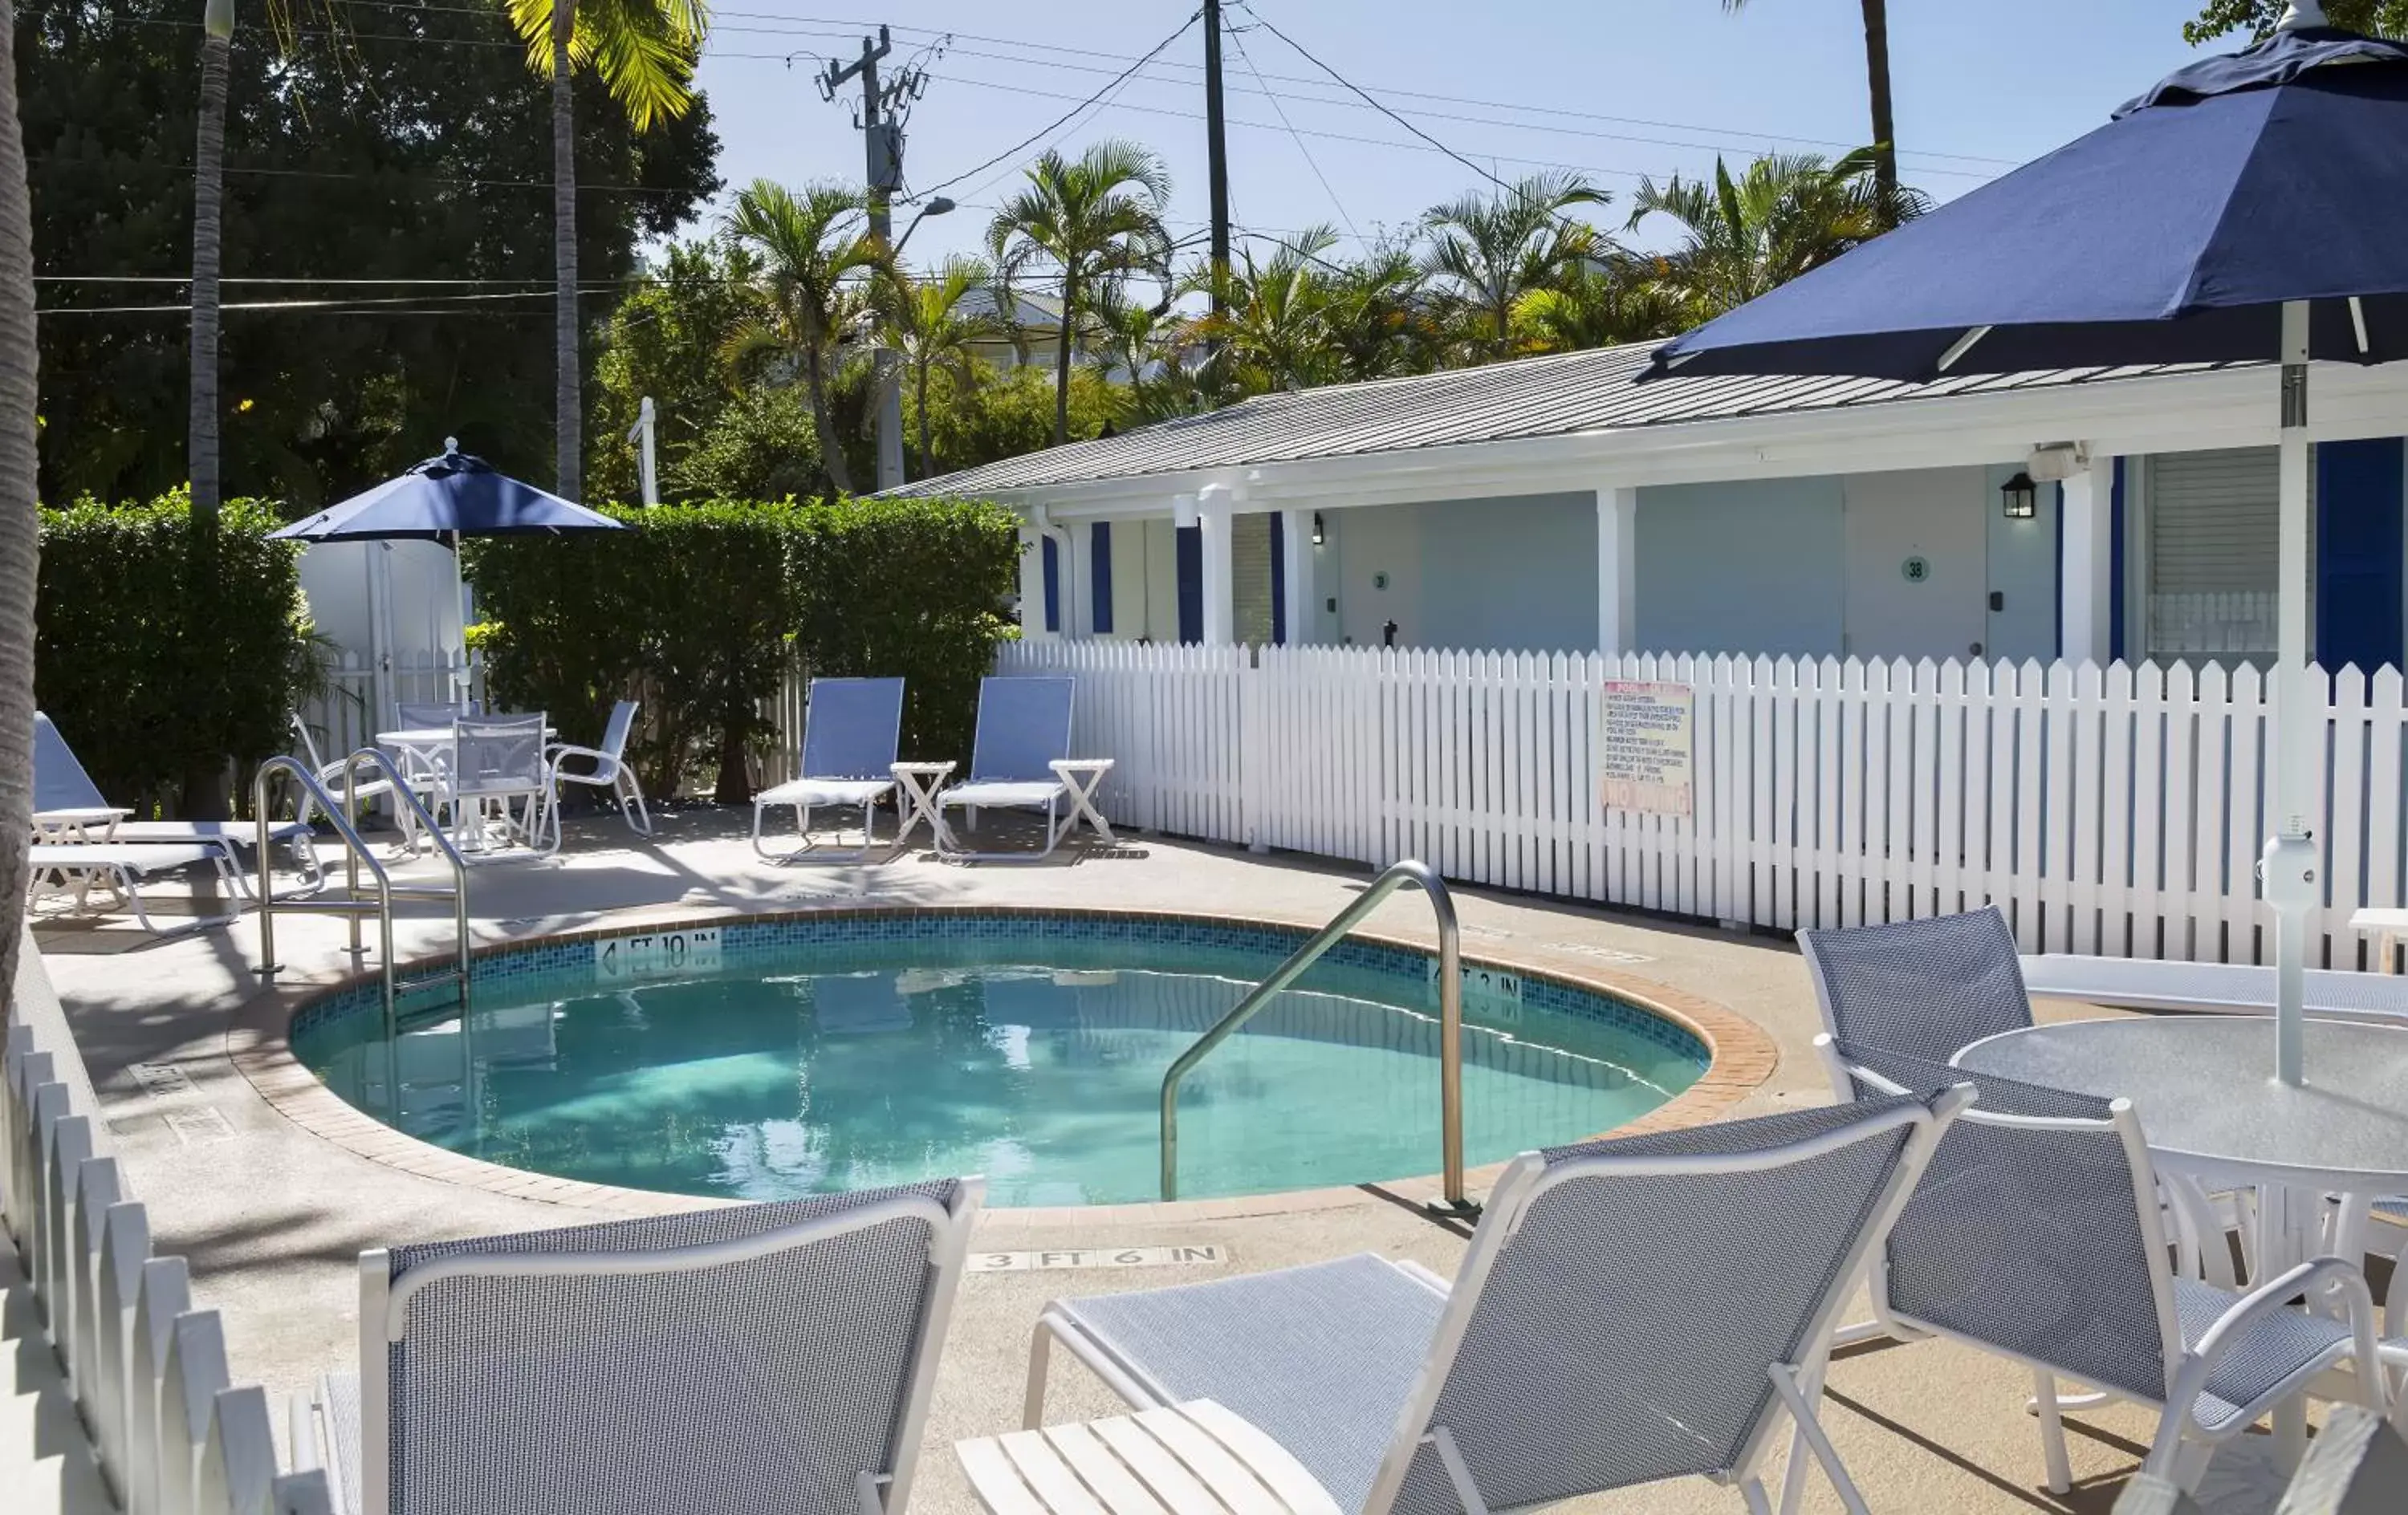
(1450, 1003)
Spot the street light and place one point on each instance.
(937, 205)
(890, 387)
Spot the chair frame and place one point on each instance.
(52, 872)
(1796, 1385)
(2188, 1368)
(384, 1322)
(611, 771)
(872, 791)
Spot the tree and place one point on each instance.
(18, 514)
(208, 201)
(670, 340)
(1885, 147)
(1486, 251)
(1273, 325)
(1784, 215)
(819, 256)
(2258, 18)
(1598, 304)
(399, 152)
(645, 51)
(926, 323)
(1380, 315)
(1093, 224)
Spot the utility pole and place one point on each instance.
(1216, 150)
(884, 110)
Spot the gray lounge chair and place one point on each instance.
(69, 810)
(2037, 1234)
(769, 1358)
(852, 730)
(1927, 988)
(74, 867)
(1023, 729)
(1629, 1311)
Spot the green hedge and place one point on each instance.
(160, 656)
(699, 608)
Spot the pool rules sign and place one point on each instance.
(1648, 747)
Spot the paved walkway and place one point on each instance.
(272, 1215)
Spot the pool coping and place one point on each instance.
(1741, 1054)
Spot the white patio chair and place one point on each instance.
(68, 811)
(74, 868)
(497, 767)
(1620, 1319)
(330, 776)
(852, 730)
(1023, 729)
(2037, 1234)
(744, 1361)
(610, 771)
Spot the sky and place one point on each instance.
(1616, 89)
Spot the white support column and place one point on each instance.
(1215, 512)
(1296, 535)
(1617, 570)
(1075, 542)
(2084, 630)
(1032, 581)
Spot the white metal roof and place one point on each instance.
(1563, 395)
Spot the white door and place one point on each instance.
(1917, 563)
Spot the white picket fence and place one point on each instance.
(2117, 811)
(148, 1371)
(357, 699)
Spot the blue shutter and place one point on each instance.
(1052, 585)
(1099, 570)
(2359, 502)
(1191, 583)
(1279, 579)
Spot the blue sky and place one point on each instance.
(1617, 88)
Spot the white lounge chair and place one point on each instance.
(68, 809)
(852, 730)
(74, 867)
(608, 770)
(1629, 1311)
(1023, 730)
(2037, 1234)
(769, 1358)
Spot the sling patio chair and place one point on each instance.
(1017, 761)
(1927, 988)
(756, 1360)
(852, 730)
(73, 868)
(1619, 1318)
(604, 767)
(68, 811)
(497, 764)
(2037, 1234)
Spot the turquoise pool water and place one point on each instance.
(795, 1057)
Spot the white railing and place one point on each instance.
(147, 1370)
(2114, 811)
(2237, 621)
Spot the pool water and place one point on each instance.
(1036, 1062)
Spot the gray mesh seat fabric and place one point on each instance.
(853, 729)
(2034, 1233)
(1618, 1320)
(1926, 988)
(755, 1359)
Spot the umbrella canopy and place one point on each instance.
(2248, 207)
(2174, 234)
(444, 499)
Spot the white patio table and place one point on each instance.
(419, 750)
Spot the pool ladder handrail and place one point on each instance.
(1450, 1003)
(356, 851)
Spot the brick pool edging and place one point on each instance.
(1741, 1057)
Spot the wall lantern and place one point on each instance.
(2021, 496)
(1318, 536)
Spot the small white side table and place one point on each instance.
(919, 783)
(1083, 776)
(1192, 1459)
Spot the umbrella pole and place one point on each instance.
(2288, 866)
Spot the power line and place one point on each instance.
(1247, 58)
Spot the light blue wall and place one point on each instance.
(1518, 575)
(2023, 570)
(1742, 567)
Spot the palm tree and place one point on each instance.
(1093, 224)
(646, 51)
(926, 323)
(1885, 147)
(1787, 213)
(821, 259)
(1379, 316)
(1598, 304)
(1273, 324)
(1486, 251)
(208, 214)
(18, 515)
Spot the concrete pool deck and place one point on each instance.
(272, 1213)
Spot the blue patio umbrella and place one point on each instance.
(2251, 208)
(443, 500)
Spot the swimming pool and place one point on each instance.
(768, 1058)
